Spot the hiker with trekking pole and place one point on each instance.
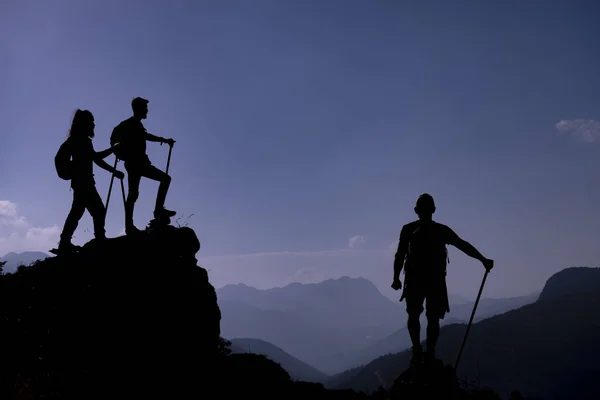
(74, 161)
(423, 254)
(132, 137)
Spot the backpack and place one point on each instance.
(117, 137)
(427, 253)
(63, 163)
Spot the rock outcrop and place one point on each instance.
(125, 316)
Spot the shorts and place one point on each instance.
(138, 165)
(433, 291)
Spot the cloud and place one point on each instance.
(586, 130)
(356, 242)
(9, 216)
(18, 235)
(311, 275)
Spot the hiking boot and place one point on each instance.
(417, 356)
(164, 213)
(430, 360)
(65, 247)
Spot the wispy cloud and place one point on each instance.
(9, 216)
(586, 130)
(18, 235)
(356, 242)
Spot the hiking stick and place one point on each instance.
(111, 183)
(470, 320)
(123, 192)
(169, 159)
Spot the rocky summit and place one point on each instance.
(127, 316)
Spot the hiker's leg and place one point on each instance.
(435, 311)
(414, 329)
(414, 309)
(75, 214)
(151, 172)
(433, 332)
(133, 181)
(96, 208)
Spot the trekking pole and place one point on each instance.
(169, 159)
(111, 183)
(123, 192)
(470, 320)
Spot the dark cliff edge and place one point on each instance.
(129, 315)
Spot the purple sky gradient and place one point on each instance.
(303, 124)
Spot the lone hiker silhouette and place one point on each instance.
(423, 254)
(132, 136)
(74, 161)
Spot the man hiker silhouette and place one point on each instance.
(423, 254)
(74, 161)
(132, 136)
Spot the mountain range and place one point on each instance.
(297, 369)
(333, 325)
(546, 349)
(14, 260)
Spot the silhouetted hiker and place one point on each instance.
(133, 136)
(423, 254)
(74, 161)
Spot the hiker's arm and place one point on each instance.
(400, 254)
(464, 246)
(469, 250)
(152, 138)
(101, 155)
(103, 164)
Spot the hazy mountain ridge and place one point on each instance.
(297, 369)
(337, 316)
(284, 330)
(332, 325)
(571, 280)
(320, 300)
(400, 339)
(14, 260)
(548, 348)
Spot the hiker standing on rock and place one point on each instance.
(74, 161)
(423, 254)
(132, 136)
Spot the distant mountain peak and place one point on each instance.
(14, 260)
(569, 281)
(238, 285)
(342, 280)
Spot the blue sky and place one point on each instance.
(303, 124)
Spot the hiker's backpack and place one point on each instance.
(63, 163)
(117, 137)
(427, 253)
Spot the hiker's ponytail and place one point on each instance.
(80, 123)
